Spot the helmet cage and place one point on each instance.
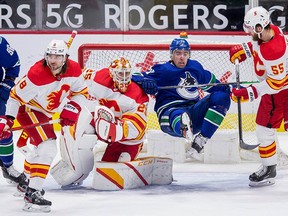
(120, 70)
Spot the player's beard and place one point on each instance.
(55, 69)
(255, 37)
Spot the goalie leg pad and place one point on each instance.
(134, 174)
(77, 160)
(76, 151)
(65, 175)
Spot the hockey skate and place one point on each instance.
(263, 177)
(22, 189)
(196, 148)
(34, 201)
(12, 175)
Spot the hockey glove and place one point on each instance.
(245, 94)
(148, 85)
(241, 51)
(5, 125)
(5, 88)
(70, 114)
(111, 131)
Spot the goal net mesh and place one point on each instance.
(213, 57)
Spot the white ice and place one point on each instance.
(197, 190)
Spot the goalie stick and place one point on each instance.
(204, 85)
(242, 144)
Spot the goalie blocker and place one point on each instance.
(77, 161)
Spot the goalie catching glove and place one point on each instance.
(241, 52)
(107, 127)
(70, 114)
(245, 94)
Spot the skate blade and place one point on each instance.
(29, 207)
(265, 182)
(18, 194)
(10, 182)
(72, 186)
(193, 154)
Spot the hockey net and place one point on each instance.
(214, 57)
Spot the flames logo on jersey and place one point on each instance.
(54, 98)
(187, 81)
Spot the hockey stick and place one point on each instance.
(73, 35)
(34, 125)
(242, 144)
(204, 85)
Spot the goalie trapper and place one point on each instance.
(34, 201)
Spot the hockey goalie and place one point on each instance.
(116, 122)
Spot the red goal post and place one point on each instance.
(214, 57)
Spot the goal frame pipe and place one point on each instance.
(135, 46)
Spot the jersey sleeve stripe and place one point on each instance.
(277, 84)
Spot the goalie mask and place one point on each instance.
(55, 55)
(256, 16)
(120, 71)
(179, 44)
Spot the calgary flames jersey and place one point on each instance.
(270, 63)
(130, 106)
(42, 91)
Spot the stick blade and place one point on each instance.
(246, 146)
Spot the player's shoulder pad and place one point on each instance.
(135, 92)
(39, 74)
(73, 69)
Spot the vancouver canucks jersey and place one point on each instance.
(168, 74)
(9, 60)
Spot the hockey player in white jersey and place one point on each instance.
(53, 84)
(120, 123)
(270, 50)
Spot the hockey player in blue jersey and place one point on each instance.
(180, 111)
(9, 70)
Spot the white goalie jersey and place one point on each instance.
(77, 144)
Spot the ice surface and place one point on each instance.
(198, 189)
